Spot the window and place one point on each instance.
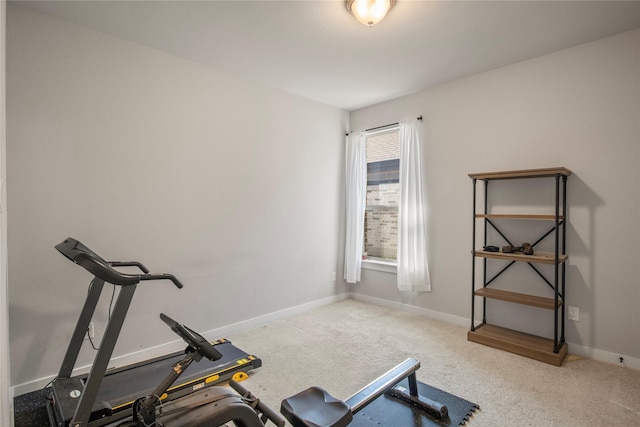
(383, 194)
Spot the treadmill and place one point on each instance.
(105, 396)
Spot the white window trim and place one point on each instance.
(380, 264)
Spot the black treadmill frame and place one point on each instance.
(86, 411)
(92, 384)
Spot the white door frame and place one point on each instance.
(6, 398)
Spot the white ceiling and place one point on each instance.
(316, 49)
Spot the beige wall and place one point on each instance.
(146, 156)
(231, 186)
(578, 108)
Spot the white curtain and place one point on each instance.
(413, 271)
(356, 178)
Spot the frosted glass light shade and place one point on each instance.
(369, 12)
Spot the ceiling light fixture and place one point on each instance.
(369, 12)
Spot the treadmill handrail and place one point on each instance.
(163, 276)
(75, 251)
(129, 264)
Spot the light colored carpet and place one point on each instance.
(343, 346)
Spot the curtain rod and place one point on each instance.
(386, 126)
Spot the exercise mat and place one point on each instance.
(388, 412)
(30, 409)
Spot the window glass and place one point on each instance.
(383, 191)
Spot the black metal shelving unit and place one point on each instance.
(552, 351)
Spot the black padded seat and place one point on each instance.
(315, 407)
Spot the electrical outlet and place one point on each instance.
(333, 276)
(574, 313)
(90, 332)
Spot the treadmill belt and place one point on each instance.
(125, 386)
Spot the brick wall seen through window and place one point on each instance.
(383, 190)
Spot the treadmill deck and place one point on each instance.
(122, 386)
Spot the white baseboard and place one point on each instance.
(577, 349)
(425, 312)
(256, 322)
(605, 356)
(178, 345)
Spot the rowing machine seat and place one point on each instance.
(315, 407)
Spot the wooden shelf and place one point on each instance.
(520, 216)
(537, 257)
(518, 298)
(519, 174)
(527, 345)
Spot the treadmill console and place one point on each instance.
(75, 251)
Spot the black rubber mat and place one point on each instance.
(388, 412)
(30, 410)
